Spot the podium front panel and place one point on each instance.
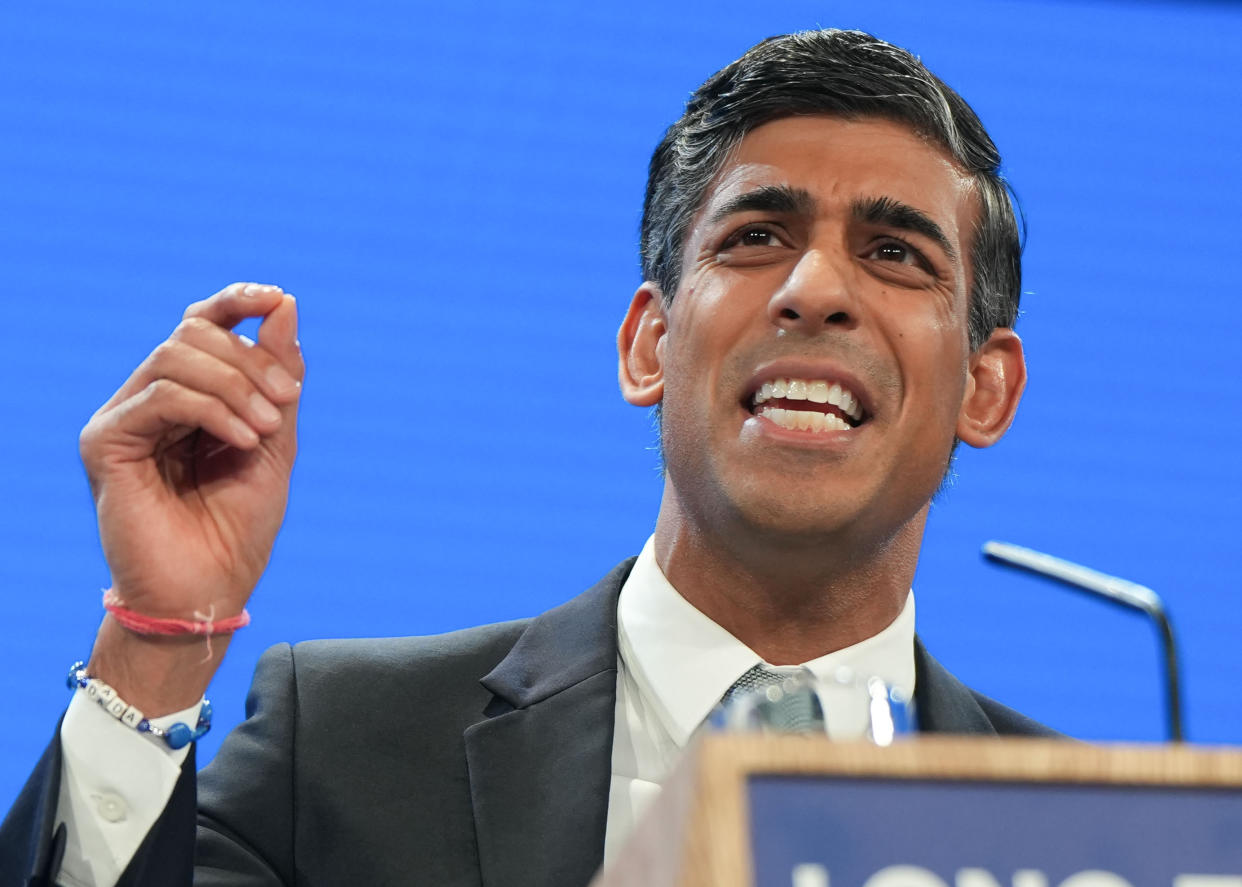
(940, 811)
(808, 831)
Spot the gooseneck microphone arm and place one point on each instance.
(1127, 594)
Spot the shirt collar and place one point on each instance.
(683, 662)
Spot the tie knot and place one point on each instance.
(759, 677)
(781, 701)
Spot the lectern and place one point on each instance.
(932, 811)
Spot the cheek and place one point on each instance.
(950, 393)
(935, 359)
(689, 393)
(930, 328)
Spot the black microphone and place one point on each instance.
(1127, 594)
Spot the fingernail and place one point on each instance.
(281, 382)
(263, 408)
(244, 432)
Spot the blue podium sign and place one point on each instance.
(816, 831)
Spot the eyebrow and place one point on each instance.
(895, 214)
(767, 198)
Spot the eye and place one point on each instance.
(893, 252)
(900, 253)
(758, 236)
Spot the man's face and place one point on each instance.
(827, 253)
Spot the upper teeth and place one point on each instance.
(814, 390)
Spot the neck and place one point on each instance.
(789, 598)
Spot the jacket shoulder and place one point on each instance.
(363, 657)
(370, 676)
(1012, 723)
(946, 705)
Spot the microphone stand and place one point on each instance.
(1127, 594)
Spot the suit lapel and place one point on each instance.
(943, 704)
(541, 764)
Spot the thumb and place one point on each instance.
(278, 335)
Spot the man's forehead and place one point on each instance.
(837, 159)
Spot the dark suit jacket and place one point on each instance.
(478, 757)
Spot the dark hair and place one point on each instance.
(845, 74)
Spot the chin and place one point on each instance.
(794, 518)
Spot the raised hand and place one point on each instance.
(189, 464)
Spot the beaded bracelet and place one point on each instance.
(176, 736)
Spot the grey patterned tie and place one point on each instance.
(782, 702)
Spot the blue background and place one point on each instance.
(453, 194)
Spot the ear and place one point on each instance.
(640, 348)
(993, 389)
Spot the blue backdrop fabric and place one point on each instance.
(452, 191)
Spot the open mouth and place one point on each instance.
(807, 405)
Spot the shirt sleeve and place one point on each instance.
(114, 785)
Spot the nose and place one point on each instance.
(815, 296)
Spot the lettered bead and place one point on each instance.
(116, 707)
(132, 717)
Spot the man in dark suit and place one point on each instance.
(831, 275)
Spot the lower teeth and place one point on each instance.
(804, 420)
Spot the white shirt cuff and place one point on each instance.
(114, 785)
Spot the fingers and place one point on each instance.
(136, 427)
(245, 391)
(278, 333)
(207, 359)
(200, 331)
(235, 303)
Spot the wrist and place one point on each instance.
(159, 674)
(172, 733)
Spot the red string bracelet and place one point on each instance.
(202, 623)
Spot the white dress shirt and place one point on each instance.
(673, 666)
